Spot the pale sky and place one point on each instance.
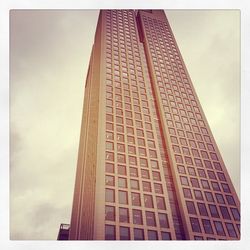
(49, 53)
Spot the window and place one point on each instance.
(121, 148)
(150, 218)
(187, 193)
(148, 201)
(190, 207)
(215, 186)
(123, 215)
(211, 175)
(181, 169)
(121, 170)
(138, 234)
(184, 180)
(154, 164)
(133, 172)
(158, 188)
(152, 235)
(209, 196)
(160, 203)
(207, 226)
(109, 213)
(109, 195)
(235, 213)
(195, 225)
(213, 211)
(137, 216)
(136, 200)
(198, 195)
(231, 230)
(156, 176)
(122, 182)
(201, 173)
(194, 182)
(202, 209)
(205, 184)
(219, 228)
(145, 174)
(146, 186)
(165, 236)
(219, 198)
(134, 184)
(109, 156)
(124, 233)
(191, 171)
(109, 232)
(109, 180)
(225, 188)
(225, 213)
(123, 197)
(230, 200)
(163, 219)
(109, 167)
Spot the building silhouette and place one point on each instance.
(148, 165)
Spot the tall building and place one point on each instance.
(148, 165)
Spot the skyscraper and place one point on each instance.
(148, 165)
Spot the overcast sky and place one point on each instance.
(49, 59)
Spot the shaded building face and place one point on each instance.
(148, 165)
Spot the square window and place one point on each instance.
(148, 201)
(110, 232)
(123, 197)
(213, 211)
(231, 230)
(109, 195)
(152, 235)
(150, 219)
(146, 186)
(138, 234)
(198, 194)
(137, 216)
(122, 182)
(219, 228)
(219, 198)
(195, 225)
(236, 214)
(121, 170)
(187, 193)
(194, 182)
(110, 213)
(124, 233)
(209, 197)
(109, 167)
(123, 215)
(225, 213)
(156, 176)
(131, 149)
(158, 188)
(184, 180)
(191, 207)
(136, 200)
(202, 209)
(145, 173)
(230, 200)
(109, 180)
(207, 226)
(134, 184)
(163, 219)
(160, 203)
(165, 236)
(133, 172)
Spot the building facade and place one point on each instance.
(148, 165)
